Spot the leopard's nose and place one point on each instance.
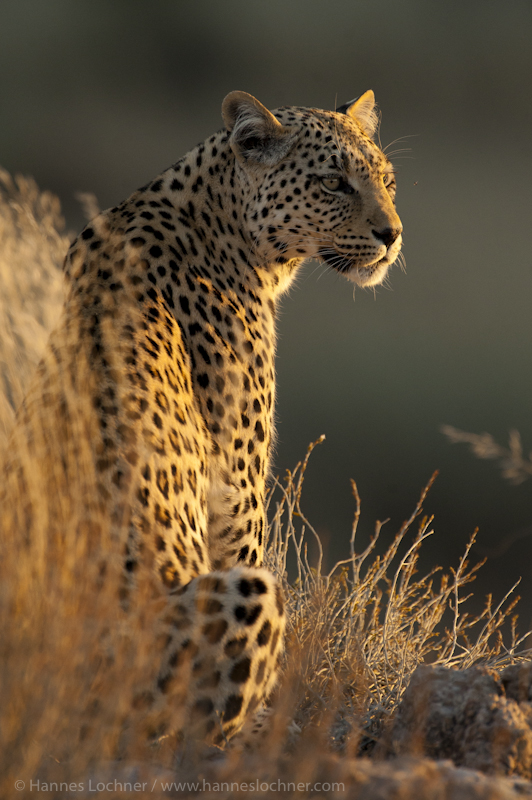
(387, 236)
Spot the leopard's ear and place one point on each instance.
(256, 135)
(364, 111)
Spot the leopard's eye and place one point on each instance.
(331, 184)
(387, 178)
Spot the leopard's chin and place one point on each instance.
(366, 275)
(371, 275)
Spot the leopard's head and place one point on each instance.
(316, 185)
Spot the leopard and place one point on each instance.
(168, 336)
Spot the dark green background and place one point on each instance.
(101, 96)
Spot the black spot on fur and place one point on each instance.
(214, 631)
(202, 707)
(232, 707)
(259, 677)
(264, 634)
(241, 670)
(235, 647)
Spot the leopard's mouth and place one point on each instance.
(361, 274)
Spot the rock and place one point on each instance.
(475, 717)
(517, 682)
(424, 779)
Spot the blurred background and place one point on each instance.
(101, 96)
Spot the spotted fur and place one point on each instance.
(169, 331)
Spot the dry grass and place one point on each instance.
(32, 249)
(515, 466)
(367, 624)
(71, 660)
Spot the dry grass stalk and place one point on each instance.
(515, 466)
